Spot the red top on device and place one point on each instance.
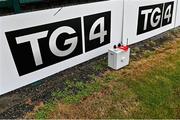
(125, 48)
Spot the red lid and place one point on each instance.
(125, 48)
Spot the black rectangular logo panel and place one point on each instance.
(168, 13)
(41, 46)
(149, 18)
(97, 30)
(154, 16)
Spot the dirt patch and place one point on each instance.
(8, 101)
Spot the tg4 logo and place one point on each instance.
(41, 46)
(154, 16)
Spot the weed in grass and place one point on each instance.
(152, 43)
(60, 94)
(110, 77)
(135, 50)
(99, 66)
(88, 90)
(148, 53)
(84, 91)
(46, 110)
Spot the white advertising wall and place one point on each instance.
(178, 14)
(146, 18)
(38, 44)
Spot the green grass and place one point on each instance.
(85, 90)
(67, 96)
(153, 94)
(156, 90)
(45, 110)
(100, 65)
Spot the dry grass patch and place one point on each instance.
(116, 96)
(99, 105)
(141, 90)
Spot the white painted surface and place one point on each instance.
(131, 20)
(178, 14)
(9, 77)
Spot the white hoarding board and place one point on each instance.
(38, 44)
(178, 14)
(146, 18)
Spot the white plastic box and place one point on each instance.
(118, 58)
